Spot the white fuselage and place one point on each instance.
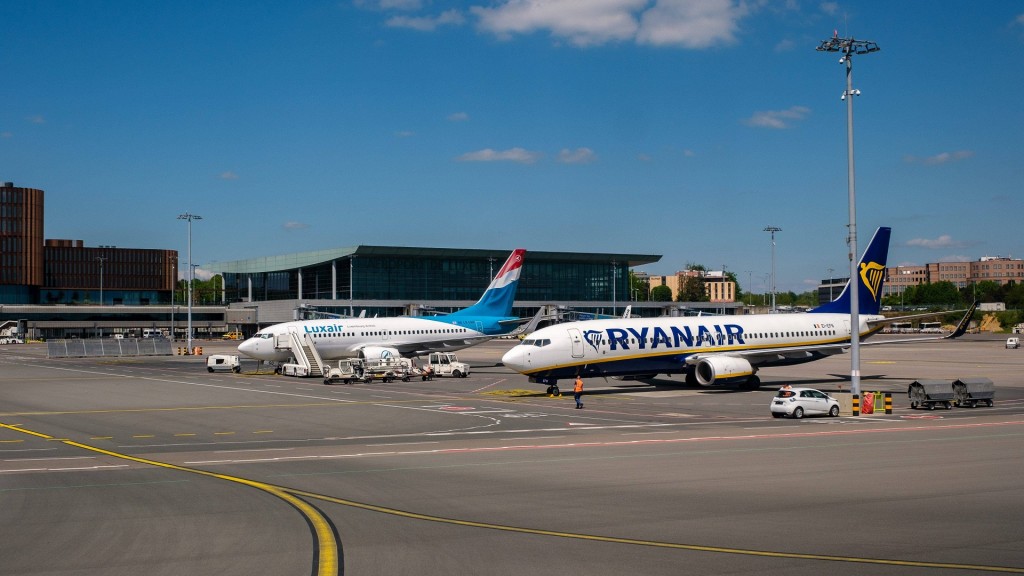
(663, 345)
(344, 338)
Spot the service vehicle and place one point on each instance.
(445, 364)
(228, 362)
(800, 402)
(1013, 342)
(232, 335)
(346, 371)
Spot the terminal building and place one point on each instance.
(392, 281)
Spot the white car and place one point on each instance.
(800, 402)
(1013, 342)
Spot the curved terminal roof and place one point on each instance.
(307, 259)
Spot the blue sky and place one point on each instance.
(673, 127)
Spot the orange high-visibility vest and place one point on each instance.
(578, 387)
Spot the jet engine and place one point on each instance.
(379, 353)
(721, 368)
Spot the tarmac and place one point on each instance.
(154, 465)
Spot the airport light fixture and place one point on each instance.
(101, 260)
(849, 48)
(773, 230)
(192, 271)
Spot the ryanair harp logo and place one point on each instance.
(872, 274)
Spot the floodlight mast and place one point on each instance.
(191, 276)
(850, 47)
(773, 230)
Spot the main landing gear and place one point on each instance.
(553, 390)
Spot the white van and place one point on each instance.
(1013, 342)
(223, 362)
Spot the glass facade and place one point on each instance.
(424, 275)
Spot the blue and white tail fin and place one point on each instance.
(501, 293)
(870, 278)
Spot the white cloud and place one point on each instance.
(955, 258)
(691, 23)
(577, 156)
(201, 274)
(6, 134)
(777, 119)
(37, 119)
(943, 158)
(830, 8)
(520, 155)
(405, 133)
(1020, 19)
(427, 23)
(389, 4)
(686, 23)
(785, 45)
(583, 23)
(458, 117)
(228, 175)
(942, 242)
(293, 225)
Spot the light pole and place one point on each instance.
(773, 230)
(101, 260)
(830, 270)
(192, 271)
(351, 284)
(615, 277)
(850, 47)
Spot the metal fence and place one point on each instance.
(87, 348)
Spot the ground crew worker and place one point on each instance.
(577, 392)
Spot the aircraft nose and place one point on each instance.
(248, 347)
(515, 359)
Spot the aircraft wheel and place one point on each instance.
(555, 391)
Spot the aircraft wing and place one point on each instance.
(764, 355)
(885, 321)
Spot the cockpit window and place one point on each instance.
(528, 342)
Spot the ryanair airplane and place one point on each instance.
(403, 336)
(709, 350)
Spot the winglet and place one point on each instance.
(965, 322)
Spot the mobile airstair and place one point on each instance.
(307, 362)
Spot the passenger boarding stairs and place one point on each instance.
(302, 349)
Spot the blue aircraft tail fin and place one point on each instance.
(501, 293)
(870, 278)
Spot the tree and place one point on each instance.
(661, 293)
(640, 287)
(693, 290)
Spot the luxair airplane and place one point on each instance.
(403, 336)
(710, 350)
